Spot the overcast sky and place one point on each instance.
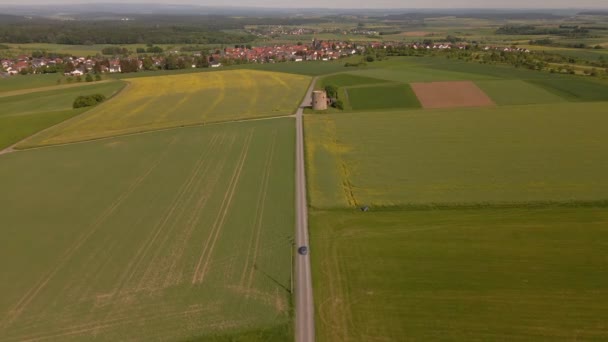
(355, 3)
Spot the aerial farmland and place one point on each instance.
(483, 189)
(172, 177)
(189, 232)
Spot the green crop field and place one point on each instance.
(517, 92)
(152, 103)
(507, 154)
(32, 111)
(382, 97)
(183, 234)
(303, 68)
(577, 89)
(20, 82)
(463, 275)
(347, 80)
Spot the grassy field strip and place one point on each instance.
(23, 146)
(460, 156)
(424, 275)
(50, 88)
(183, 100)
(121, 264)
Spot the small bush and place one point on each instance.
(88, 101)
(338, 104)
(360, 64)
(89, 78)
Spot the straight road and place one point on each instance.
(305, 310)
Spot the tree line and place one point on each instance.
(115, 32)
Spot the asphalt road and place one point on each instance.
(305, 309)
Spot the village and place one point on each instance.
(317, 50)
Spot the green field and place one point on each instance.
(32, 111)
(484, 224)
(382, 97)
(462, 275)
(183, 234)
(517, 92)
(153, 103)
(347, 80)
(27, 82)
(508, 154)
(577, 89)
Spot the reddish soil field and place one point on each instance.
(450, 95)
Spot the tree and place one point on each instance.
(88, 101)
(154, 49)
(89, 78)
(148, 64)
(69, 67)
(331, 90)
(202, 62)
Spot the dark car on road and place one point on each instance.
(303, 250)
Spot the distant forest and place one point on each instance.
(74, 32)
(136, 30)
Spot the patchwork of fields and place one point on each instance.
(173, 235)
(484, 223)
(153, 103)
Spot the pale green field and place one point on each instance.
(460, 275)
(511, 154)
(153, 103)
(517, 92)
(177, 235)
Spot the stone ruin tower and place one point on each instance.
(319, 100)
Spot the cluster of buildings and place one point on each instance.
(316, 51)
(264, 31)
(24, 62)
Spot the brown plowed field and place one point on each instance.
(450, 95)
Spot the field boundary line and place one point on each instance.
(13, 149)
(21, 305)
(199, 273)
